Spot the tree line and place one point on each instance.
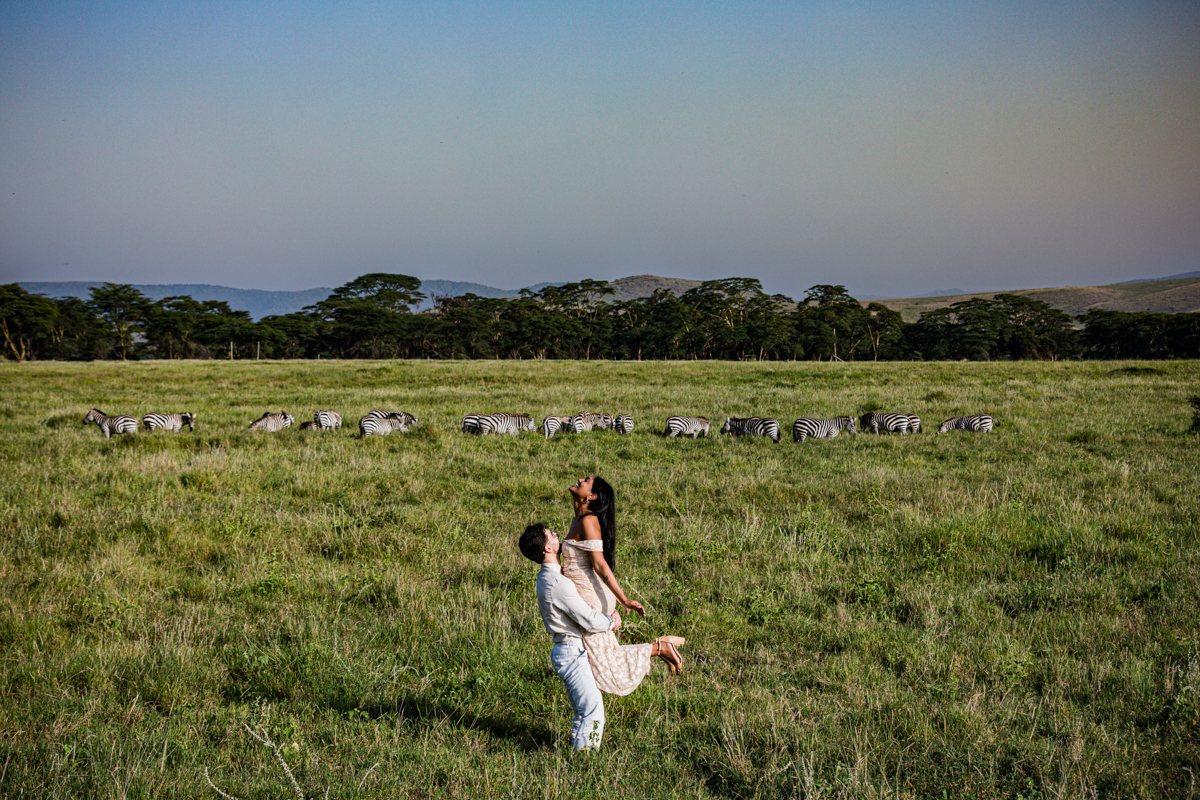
(372, 316)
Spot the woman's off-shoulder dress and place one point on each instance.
(619, 669)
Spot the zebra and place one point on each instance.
(885, 423)
(499, 423)
(122, 423)
(693, 426)
(552, 425)
(325, 420)
(822, 428)
(623, 424)
(600, 421)
(170, 422)
(309, 425)
(470, 423)
(914, 423)
(980, 423)
(380, 426)
(272, 422)
(403, 416)
(752, 426)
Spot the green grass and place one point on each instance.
(998, 615)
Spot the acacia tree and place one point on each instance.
(123, 310)
(832, 324)
(368, 316)
(26, 321)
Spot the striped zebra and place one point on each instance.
(821, 428)
(499, 423)
(914, 423)
(600, 421)
(885, 423)
(403, 416)
(272, 422)
(380, 426)
(122, 423)
(170, 422)
(687, 426)
(470, 423)
(623, 423)
(325, 421)
(309, 425)
(752, 426)
(980, 423)
(552, 425)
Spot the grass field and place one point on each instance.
(1003, 615)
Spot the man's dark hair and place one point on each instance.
(533, 543)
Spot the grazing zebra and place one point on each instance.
(272, 422)
(122, 423)
(499, 423)
(980, 423)
(309, 425)
(822, 428)
(885, 423)
(752, 426)
(623, 424)
(600, 422)
(380, 426)
(914, 423)
(403, 416)
(552, 425)
(325, 421)
(170, 422)
(693, 426)
(470, 423)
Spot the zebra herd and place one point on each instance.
(383, 423)
(124, 423)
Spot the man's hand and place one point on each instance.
(616, 618)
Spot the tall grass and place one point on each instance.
(1001, 615)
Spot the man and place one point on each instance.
(567, 617)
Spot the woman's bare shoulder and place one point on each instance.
(591, 527)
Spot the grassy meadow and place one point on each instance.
(1003, 615)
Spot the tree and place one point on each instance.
(885, 330)
(122, 309)
(832, 324)
(387, 291)
(77, 333)
(26, 321)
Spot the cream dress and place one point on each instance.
(619, 669)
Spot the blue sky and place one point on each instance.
(892, 148)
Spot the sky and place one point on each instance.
(893, 148)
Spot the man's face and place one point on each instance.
(552, 545)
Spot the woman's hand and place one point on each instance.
(634, 605)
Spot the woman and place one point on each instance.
(588, 556)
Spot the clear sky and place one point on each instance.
(895, 148)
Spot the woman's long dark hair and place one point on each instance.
(604, 508)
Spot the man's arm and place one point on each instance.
(567, 599)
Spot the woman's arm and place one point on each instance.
(591, 530)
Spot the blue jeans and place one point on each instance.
(570, 661)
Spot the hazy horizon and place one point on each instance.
(892, 150)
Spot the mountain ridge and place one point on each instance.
(1177, 294)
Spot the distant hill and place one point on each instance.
(645, 285)
(1195, 274)
(1172, 296)
(260, 303)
